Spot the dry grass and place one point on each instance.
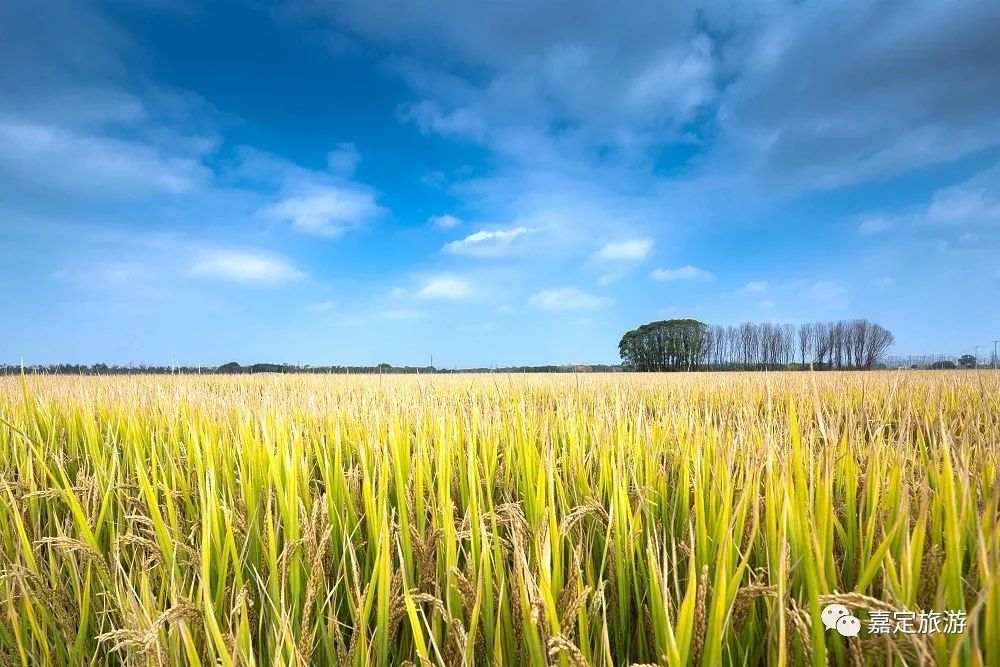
(500, 520)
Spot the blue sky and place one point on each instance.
(501, 182)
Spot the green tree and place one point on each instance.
(967, 361)
(665, 345)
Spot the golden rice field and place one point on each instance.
(685, 519)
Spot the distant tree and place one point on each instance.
(967, 361)
(666, 345)
(876, 343)
(821, 341)
(787, 344)
(687, 344)
(805, 340)
(943, 365)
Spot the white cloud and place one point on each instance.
(330, 211)
(398, 314)
(875, 225)
(787, 88)
(677, 81)
(102, 275)
(767, 304)
(828, 293)
(884, 281)
(610, 278)
(446, 289)
(446, 221)
(321, 306)
(430, 117)
(390, 314)
(246, 267)
(344, 159)
(976, 201)
(626, 250)
(686, 272)
(971, 203)
(37, 156)
(477, 327)
(818, 114)
(581, 77)
(754, 287)
(567, 298)
(487, 243)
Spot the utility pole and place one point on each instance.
(995, 353)
(975, 363)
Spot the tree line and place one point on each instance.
(234, 368)
(687, 344)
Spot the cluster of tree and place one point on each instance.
(235, 368)
(964, 361)
(941, 361)
(687, 344)
(550, 368)
(666, 345)
(225, 369)
(99, 369)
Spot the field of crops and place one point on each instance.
(684, 519)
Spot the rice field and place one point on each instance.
(625, 519)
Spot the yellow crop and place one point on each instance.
(684, 519)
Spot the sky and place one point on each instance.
(491, 183)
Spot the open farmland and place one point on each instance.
(697, 519)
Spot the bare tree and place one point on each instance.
(788, 343)
(857, 343)
(879, 341)
(837, 344)
(857, 333)
(805, 340)
(824, 341)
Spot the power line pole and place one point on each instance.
(995, 353)
(975, 362)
